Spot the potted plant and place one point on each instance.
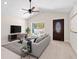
(28, 31)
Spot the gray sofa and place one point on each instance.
(39, 46)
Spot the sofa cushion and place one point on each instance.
(38, 39)
(45, 35)
(41, 38)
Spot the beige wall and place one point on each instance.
(47, 18)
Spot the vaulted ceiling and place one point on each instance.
(12, 7)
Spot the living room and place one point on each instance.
(13, 13)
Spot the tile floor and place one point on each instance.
(57, 50)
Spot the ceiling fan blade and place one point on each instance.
(33, 8)
(26, 12)
(35, 11)
(24, 9)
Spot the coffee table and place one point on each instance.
(24, 53)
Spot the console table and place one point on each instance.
(15, 36)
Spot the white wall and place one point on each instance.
(6, 21)
(7, 54)
(73, 41)
(73, 33)
(47, 18)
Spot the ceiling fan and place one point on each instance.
(31, 9)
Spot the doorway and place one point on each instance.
(58, 29)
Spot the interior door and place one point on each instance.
(58, 29)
